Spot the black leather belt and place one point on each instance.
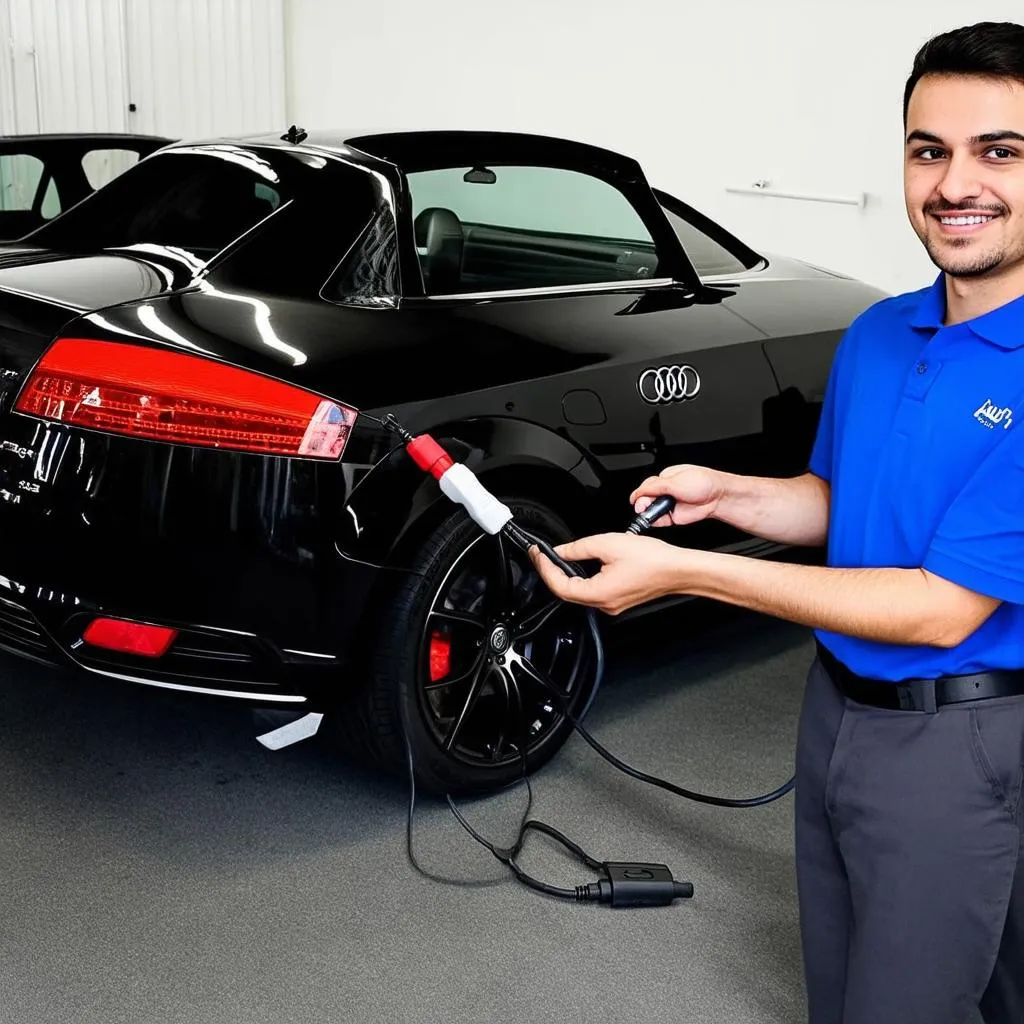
(920, 694)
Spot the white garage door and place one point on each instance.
(182, 68)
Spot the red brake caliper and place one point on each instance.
(440, 656)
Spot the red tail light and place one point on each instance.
(170, 396)
(129, 637)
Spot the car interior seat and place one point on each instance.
(440, 239)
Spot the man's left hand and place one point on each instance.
(634, 570)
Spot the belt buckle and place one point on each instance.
(918, 695)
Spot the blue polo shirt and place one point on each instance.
(922, 441)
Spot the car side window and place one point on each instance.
(369, 274)
(192, 200)
(708, 257)
(506, 227)
(20, 177)
(104, 165)
(50, 206)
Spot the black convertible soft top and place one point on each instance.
(422, 150)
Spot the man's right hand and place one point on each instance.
(696, 489)
(786, 510)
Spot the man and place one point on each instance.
(908, 799)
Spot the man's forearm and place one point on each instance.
(900, 606)
(787, 511)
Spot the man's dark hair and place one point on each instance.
(990, 48)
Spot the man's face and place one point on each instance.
(964, 172)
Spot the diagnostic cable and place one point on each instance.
(624, 884)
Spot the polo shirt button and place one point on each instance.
(922, 367)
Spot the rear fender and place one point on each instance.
(396, 505)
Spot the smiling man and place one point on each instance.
(910, 754)
(968, 215)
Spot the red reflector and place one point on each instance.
(440, 656)
(170, 396)
(129, 637)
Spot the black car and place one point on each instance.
(196, 491)
(41, 176)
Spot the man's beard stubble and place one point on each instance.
(970, 265)
(978, 264)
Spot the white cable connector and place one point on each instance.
(460, 484)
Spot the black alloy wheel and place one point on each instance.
(496, 647)
(467, 655)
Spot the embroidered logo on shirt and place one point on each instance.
(991, 416)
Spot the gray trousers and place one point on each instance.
(910, 864)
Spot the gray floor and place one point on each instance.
(159, 866)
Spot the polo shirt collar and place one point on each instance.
(931, 310)
(1003, 326)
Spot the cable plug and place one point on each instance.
(635, 885)
(390, 422)
(524, 540)
(650, 515)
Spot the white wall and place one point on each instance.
(804, 93)
(68, 65)
(205, 67)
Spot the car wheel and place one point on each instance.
(456, 657)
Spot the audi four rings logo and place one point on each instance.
(664, 384)
(500, 640)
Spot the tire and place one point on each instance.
(397, 701)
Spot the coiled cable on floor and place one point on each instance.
(507, 856)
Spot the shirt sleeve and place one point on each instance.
(824, 442)
(979, 543)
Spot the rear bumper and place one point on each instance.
(211, 662)
(21, 634)
(250, 625)
(237, 552)
(46, 627)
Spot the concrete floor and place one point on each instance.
(158, 865)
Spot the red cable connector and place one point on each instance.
(429, 456)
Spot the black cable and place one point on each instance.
(506, 856)
(521, 536)
(461, 883)
(525, 540)
(581, 854)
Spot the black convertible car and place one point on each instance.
(195, 488)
